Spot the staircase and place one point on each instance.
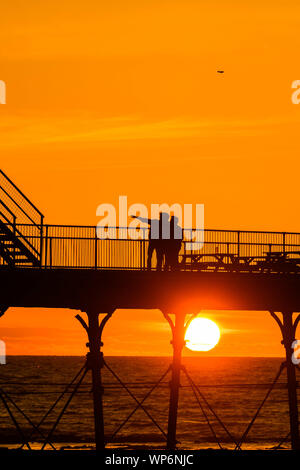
(21, 227)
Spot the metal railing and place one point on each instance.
(69, 246)
(21, 216)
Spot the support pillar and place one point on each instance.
(288, 339)
(95, 364)
(178, 331)
(288, 330)
(177, 343)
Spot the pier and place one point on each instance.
(71, 267)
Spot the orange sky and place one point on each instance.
(109, 98)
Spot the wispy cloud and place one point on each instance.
(19, 131)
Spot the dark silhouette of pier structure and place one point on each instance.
(58, 266)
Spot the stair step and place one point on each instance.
(13, 249)
(24, 262)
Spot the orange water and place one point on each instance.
(234, 387)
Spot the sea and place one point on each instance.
(219, 397)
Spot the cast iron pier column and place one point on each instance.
(178, 328)
(95, 364)
(177, 343)
(288, 330)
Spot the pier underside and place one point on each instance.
(171, 292)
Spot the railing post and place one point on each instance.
(283, 241)
(50, 254)
(14, 232)
(96, 248)
(146, 238)
(46, 247)
(41, 239)
(144, 249)
(238, 243)
(141, 255)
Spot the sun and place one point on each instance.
(202, 334)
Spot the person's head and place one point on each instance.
(164, 217)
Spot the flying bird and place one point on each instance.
(220, 71)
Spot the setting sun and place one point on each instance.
(202, 335)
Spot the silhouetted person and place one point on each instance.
(158, 229)
(173, 245)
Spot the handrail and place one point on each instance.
(22, 194)
(8, 209)
(4, 216)
(117, 227)
(206, 230)
(18, 205)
